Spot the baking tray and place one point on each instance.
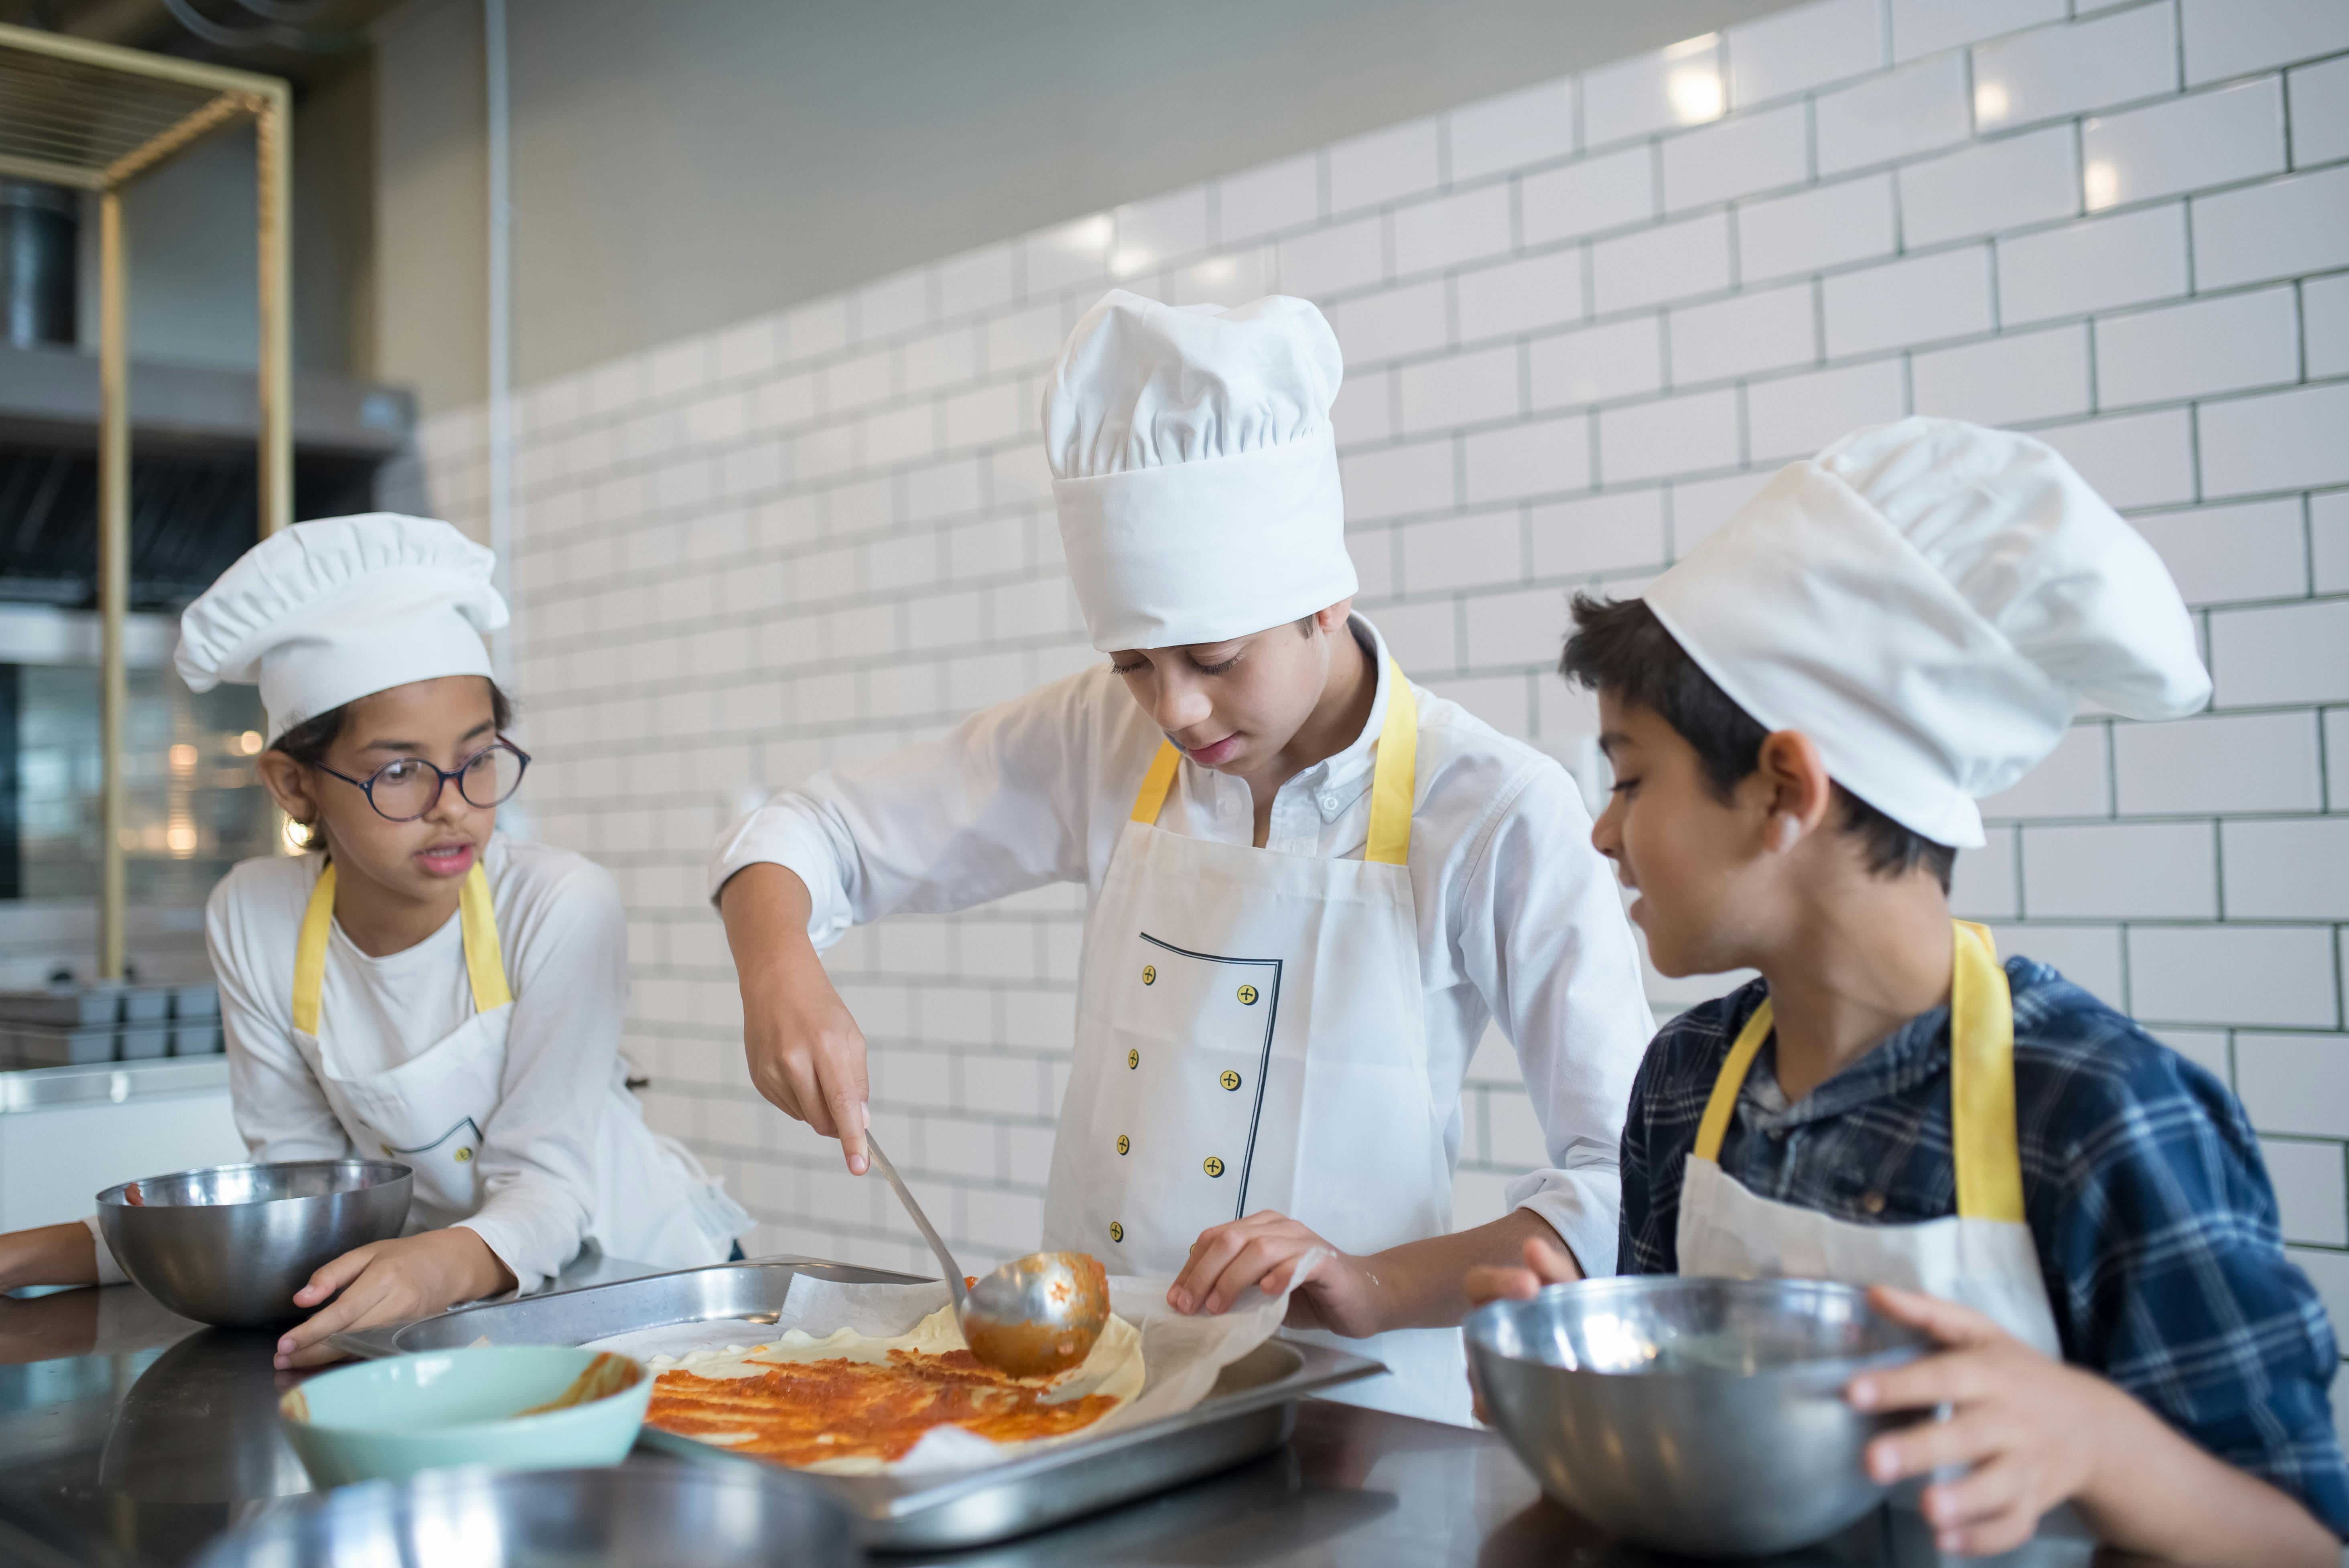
(1251, 1410)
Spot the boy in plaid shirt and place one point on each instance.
(1800, 715)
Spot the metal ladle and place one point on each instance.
(1032, 1318)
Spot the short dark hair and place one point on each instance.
(1619, 647)
(309, 741)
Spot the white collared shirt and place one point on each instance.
(1519, 921)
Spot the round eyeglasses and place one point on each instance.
(407, 789)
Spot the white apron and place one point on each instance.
(1982, 1256)
(651, 1203)
(1250, 1035)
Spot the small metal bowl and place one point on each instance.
(1702, 1416)
(230, 1246)
(741, 1516)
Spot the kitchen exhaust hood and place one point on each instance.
(49, 397)
(194, 490)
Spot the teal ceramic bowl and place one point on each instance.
(521, 1406)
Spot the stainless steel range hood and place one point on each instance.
(49, 397)
(195, 488)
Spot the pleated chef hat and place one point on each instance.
(1928, 601)
(326, 612)
(1195, 469)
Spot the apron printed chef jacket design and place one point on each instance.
(1982, 1256)
(1249, 1036)
(651, 1203)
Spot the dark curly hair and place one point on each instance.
(309, 741)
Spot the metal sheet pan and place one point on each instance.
(1250, 1411)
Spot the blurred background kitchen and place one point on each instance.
(725, 322)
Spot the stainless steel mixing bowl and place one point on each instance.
(637, 1516)
(1702, 1416)
(231, 1246)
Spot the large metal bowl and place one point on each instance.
(637, 1516)
(1702, 1416)
(230, 1246)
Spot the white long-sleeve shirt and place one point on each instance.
(563, 1110)
(1519, 921)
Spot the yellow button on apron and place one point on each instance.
(1116, 1232)
(1134, 1058)
(1230, 1079)
(1123, 1143)
(1248, 995)
(1149, 975)
(463, 1155)
(1213, 1167)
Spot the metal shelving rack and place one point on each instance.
(96, 118)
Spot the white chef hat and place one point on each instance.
(326, 612)
(1928, 601)
(1195, 470)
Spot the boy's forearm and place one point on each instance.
(2156, 1494)
(1427, 1287)
(765, 908)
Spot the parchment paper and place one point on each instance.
(1181, 1356)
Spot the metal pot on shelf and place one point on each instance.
(40, 265)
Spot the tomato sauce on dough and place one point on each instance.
(800, 1413)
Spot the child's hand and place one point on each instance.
(1274, 1253)
(1545, 1263)
(2034, 1429)
(391, 1282)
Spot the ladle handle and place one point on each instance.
(921, 1221)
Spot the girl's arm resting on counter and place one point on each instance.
(48, 1254)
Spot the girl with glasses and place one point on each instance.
(415, 987)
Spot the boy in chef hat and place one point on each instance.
(423, 989)
(1800, 715)
(1301, 869)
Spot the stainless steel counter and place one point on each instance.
(131, 1436)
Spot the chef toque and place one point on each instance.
(326, 612)
(1928, 601)
(1195, 470)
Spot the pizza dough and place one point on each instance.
(850, 1403)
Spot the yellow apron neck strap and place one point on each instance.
(1156, 782)
(1982, 1081)
(485, 966)
(1715, 1127)
(310, 952)
(1393, 778)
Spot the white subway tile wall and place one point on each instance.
(1582, 321)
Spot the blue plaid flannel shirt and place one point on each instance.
(2156, 1226)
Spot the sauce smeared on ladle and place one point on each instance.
(1032, 1318)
